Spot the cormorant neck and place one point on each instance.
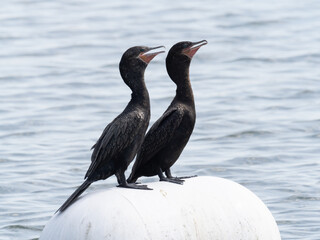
(140, 95)
(184, 90)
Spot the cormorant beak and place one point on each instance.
(190, 51)
(150, 54)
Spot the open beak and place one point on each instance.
(191, 51)
(150, 54)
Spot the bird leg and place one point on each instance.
(168, 174)
(123, 182)
(168, 179)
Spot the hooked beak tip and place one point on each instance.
(148, 56)
(191, 51)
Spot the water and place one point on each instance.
(256, 86)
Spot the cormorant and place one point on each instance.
(120, 140)
(168, 136)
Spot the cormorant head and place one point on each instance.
(179, 58)
(134, 62)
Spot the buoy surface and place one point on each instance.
(202, 208)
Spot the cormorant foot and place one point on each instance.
(135, 186)
(185, 177)
(172, 180)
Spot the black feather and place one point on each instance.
(74, 195)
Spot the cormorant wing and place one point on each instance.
(99, 141)
(118, 135)
(159, 135)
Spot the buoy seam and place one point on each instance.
(136, 210)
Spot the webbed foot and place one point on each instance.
(185, 177)
(134, 186)
(123, 182)
(172, 180)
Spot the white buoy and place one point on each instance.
(203, 208)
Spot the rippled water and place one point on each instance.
(256, 86)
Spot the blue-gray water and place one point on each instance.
(256, 86)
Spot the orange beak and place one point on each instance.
(149, 55)
(191, 51)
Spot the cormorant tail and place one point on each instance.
(74, 195)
